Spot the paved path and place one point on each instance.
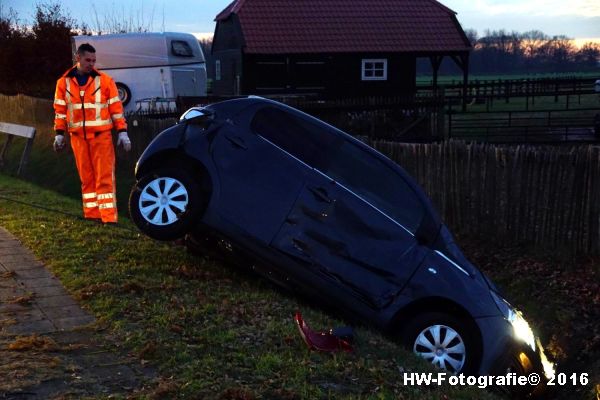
(32, 295)
(64, 356)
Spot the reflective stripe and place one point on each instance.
(60, 116)
(107, 205)
(90, 195)
(105, 196)
(97, 106)
(116, 116)
(113, 100)
(68, 98)
(98, 98)
(60, 102)
(91, 204)
(101, 122)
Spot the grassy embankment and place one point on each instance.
(215, 330)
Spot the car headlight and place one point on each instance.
(521, 328)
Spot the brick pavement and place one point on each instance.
(32, 295)
(34, 302)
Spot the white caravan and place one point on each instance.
(150, 68)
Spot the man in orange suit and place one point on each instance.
(87, 106)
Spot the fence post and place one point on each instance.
(449, 124)
(441, 110)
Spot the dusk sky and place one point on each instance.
(579, 19)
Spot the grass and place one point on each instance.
(212, 331)
(560, 297)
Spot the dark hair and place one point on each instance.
(86, 47)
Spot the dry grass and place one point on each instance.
(23, 300)
(27, 361)
(33, 342)
(7, 275)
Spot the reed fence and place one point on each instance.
(541, 195)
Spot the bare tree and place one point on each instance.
(118, 22)
(588, 55)
(472, 36)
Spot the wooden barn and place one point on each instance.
(332, 48)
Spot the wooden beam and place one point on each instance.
(436, 61)
(462, 61)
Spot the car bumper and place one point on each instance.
(505, 355)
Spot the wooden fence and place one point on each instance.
(520, 126)
(546, 196)
(507, 88)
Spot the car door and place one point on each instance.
(354, 224)
(258, 182)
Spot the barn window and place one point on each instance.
(218, 70)
(374, 69)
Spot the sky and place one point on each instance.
(577, 19)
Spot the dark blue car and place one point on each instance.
(321, 213)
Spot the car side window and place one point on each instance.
(308, 142)
(344, 162)
(376, 182)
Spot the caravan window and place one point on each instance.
(181, 49)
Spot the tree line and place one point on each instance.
(503, 52)
(32, 57)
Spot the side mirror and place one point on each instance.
(195, 115)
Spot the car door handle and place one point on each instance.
(320, 194)
(237, 142)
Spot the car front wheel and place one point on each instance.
(166, 203)
(442, 340)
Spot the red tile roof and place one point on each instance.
(326, 26)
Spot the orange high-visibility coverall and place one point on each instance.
(89, 113)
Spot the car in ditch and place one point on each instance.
(323, 214)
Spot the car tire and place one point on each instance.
(124, 93)
(442, 339)
(166, 203)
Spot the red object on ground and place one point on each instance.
(321, 341)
